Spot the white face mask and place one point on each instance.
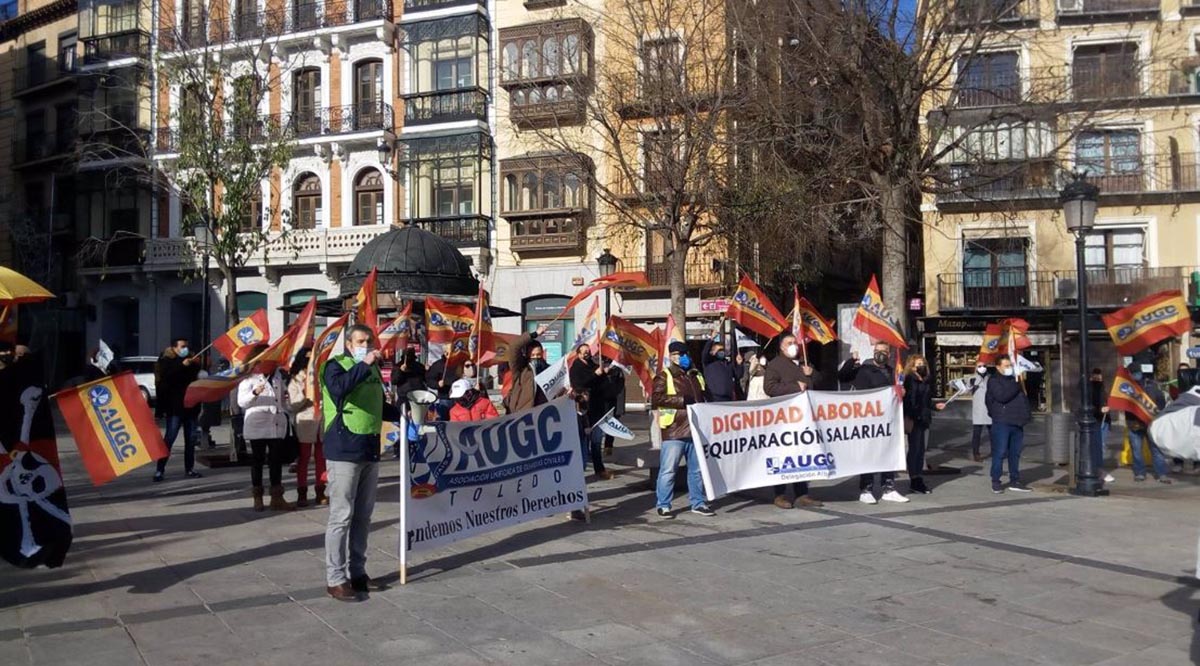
(981, 370)
(791, 351)
(359, 354)
(1007, 372)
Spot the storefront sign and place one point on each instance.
(714, 305)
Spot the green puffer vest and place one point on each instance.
(362, 412)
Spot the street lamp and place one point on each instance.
(607, 261)
(1078, 201)
(203, 236)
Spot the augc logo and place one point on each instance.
(246, 335)
(99, 396)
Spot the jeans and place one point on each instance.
(592, 447)
(867, 481)
(916, 451)
(188, 425)
(317, 453)
(1139, 460)
(351, 502)
(1099, 437)
(976, 435)
(1007, 441)
(668, 461)
(269, 451)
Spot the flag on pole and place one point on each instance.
(216, 386)
(447, 321)
(112, 426)
(482, 339)
(629, 345)
(611, 426)
(751, 308)
(8, 323)
(366, 302)
(1153, 319)
(504, 343)
(670, 334)
(629, 279)
(874, 319)
(1129, 396)
(593, 329)
(808, 324)
(235, 343)
(103, 357)
(393, 336)
(989, 350)
(302, 331)
(323, 347)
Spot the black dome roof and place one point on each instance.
(411, 260)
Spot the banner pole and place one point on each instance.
(405, 485)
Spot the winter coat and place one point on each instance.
(265, 413)
(1006, 401)
(687, 392)
(979, 410)
(172, 379)
(865, 376)
(409, 380)
(524, 393)
(721, 377)
(783, 376)
(303, 411)
(592, 387)
(918, 400)
(481, 410)
(438, 374)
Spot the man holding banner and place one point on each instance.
(873, 374)
(786, 375)
(675, 387)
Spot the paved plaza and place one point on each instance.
(185, 573)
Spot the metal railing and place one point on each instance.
(301, 17)
(445, 106)
(41, 147)
(42, 71)
(114, 46)
(698, 272)
(422, 5)
(123, 252)
(1083, 83)
(345, 119)
(1018, 288)
(1088, 7)
(459, 231)
(983, 12)
(1161, 174)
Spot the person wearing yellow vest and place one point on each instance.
(353, 410)
(676, 387)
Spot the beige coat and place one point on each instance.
(302, 408)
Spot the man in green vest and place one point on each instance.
(676, 387)
(353, 410)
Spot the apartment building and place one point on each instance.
(1106, 88)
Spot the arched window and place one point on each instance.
(368, 94)
(571, 191)
(302, 297)
(511, 65)
(551, 191)
(550, 57)
(518, 98)
(368, 198)
(551, 94)
(306, 202)
(529, 191)
(511, 193)
(530, 68)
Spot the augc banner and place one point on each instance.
(473, 477)
(803, 437)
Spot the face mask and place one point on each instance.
(1137, 376)
(981, 370)
(720, 356)
(685, 361)
(791, 350)
(183, 352)
(1007, 372)
(359, 354)
(881, 358)
(539, 364)
(922, 370)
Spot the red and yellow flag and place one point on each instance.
(808, 324)
(444, 322)
(504, 343)
(751, 308)
(283, 352)
(874, 319)
(630, 279)
(632, 347)
(1129, 396)
(366, 302)
(112, 426)
(214, 387)
(393, 336)
(670, 333)
(323, 347)
(991, 348)
(482, 339)
(593, 329)
(1150, 320)
(8, 323)
(237, 342)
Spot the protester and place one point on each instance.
(722, 375)
(174, 370)
(408, 376)
(873, 374)
(675, 387)
(614, 391)
(979, 412)
(918, 415)
(1099, 399)
(470, 404)
(588, 387)
(787, 375)
(1009, 409)
(263, 399)
(1186, 378)
(757, 374)
(353, 410)
(526, 357)
(438, 378)
(1139, 430)
(308, 433)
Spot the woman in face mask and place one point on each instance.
(979, 412)
(918, 414)
(470, 404)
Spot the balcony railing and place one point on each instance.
(43, 71)
(43, 147)
(126, 252)
(1082, 83)
(1004, 181)
(974, 13)
(460, 231)
(1017, 288)
(699, 272)
(424, 5)
(444, 107)
(116, 46)
(550, 232)
(347, 119)
(543, 114)
(1101, 7)
(301, 17)
(300, 247)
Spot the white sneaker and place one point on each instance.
(894, 495)
(867, 497)
(1109, 478)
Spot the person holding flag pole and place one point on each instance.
(786, 374)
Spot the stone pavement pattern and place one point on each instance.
(185, 573)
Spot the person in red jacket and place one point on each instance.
(470, 404)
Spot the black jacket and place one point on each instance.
(918, 400)
(405, 381)
(438, 373)
(783, 376)
(589, 387)
(174, 377)
(722, 378)
(863, 376)
(1006, 401)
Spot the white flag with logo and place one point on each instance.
(104, 357)
(553, 380)
(611, 426)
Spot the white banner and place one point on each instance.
(474, 477)
(104, 357)
(803, 437)
(554, 380)
(611, 426)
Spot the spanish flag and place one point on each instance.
(323, 348)
(239, 340)
(8, 323)
(633, 347)
(1129, 396)
(670, 334)
(447, 321)
(593, 328)
(112, 426)
(752, 308)
(366, 302)
(1150, 320)
(393, 337)
(504, 343)
(808, 324)
(874, 319)
(990, 350)
(628, 279)
(282, 352)
(216, 386)
(483, 339)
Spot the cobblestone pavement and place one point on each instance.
(184, 572)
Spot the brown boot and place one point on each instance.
(807, 502)
(783, 502)
(302, 497)
(321, 498)
(277, 501)
(258, 496)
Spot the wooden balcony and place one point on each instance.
(1015, 290)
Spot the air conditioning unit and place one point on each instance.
(1066, 289)
(1070, 6)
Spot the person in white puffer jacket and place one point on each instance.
(263, 400)
(979, 412)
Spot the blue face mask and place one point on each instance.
(1137, 376)
(360, 353)
(685, 361)
(183, 352)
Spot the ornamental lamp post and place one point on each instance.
(607, 262)
(1079, 199)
